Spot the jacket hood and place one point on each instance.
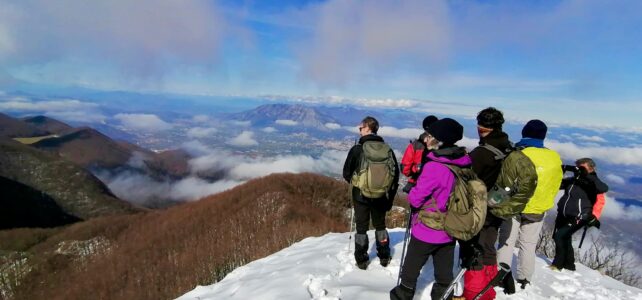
(370, 138)
(452, 155)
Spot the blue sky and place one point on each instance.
(576, 62)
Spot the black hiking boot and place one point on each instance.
(523, 283)
(508, 284)
(402, 292)
(363, 264)
(385, 261)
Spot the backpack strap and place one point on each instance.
(499, 155)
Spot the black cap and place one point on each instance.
(535, 129)
(428, 121)
(447, 131)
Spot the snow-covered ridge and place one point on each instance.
(322, 268)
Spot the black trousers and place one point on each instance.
(563, 237)
(484, 243)
(442, 261)
(365, 211)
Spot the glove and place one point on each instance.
(414, 210)
(406, 189)
(593, 221)
(571, 168)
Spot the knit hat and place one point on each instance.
(535, 129)
(428, 121)
(447, 131)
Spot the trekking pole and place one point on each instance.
(452, 285)
(351, 228)
(583, 236)
(405, 240)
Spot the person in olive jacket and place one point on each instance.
(575, 209)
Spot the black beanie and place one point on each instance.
(535, 129)
(447, 131)
(428, 121)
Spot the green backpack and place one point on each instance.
(466, 208)
(376, 173)
(515, 184)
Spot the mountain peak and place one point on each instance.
(269, 114)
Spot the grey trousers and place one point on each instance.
(523, 234)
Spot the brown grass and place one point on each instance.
(163, 254)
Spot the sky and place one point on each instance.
(573, 61)
(323, 268)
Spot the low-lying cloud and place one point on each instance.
(286, 122)
(630, 156)
(245, 139)
(143, 122)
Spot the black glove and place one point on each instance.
(593, 221)
(571, 168)
(406, 189)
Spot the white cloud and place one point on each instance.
(61, 105)
(201, 132)
(286, 122)
(587, 138)
(78, 116)
(332, 126)
(408, 133)
(359, 38)
(338, 100)
(200, 118)
(269, 129)
(123, 33)
(616, 210)
(241, 123)
(615, 179)
(143, 122)
(614, 155)
(143, 190)
(245, 139)
(330, 162)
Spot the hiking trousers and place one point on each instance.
(524, 234)
(442, 261)
(563, 237)
(374, 210)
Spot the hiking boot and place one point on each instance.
(508, 284)
(570, 267)
(554, 268)
(385, 261)
(402, 292)
(363, 264)
(523, 283)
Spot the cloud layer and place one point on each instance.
(143, 122)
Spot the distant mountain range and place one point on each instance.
(267, 115)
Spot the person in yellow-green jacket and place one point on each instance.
(524, 228)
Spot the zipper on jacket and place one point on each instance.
(579, 206)
(568, 198)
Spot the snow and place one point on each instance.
(322, 268)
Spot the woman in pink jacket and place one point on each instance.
(436, 181)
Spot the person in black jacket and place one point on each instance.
(575, 209)
(367, 208)
(483, 268)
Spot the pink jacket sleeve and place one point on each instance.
(426, 186)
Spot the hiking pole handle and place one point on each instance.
(583, 236)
